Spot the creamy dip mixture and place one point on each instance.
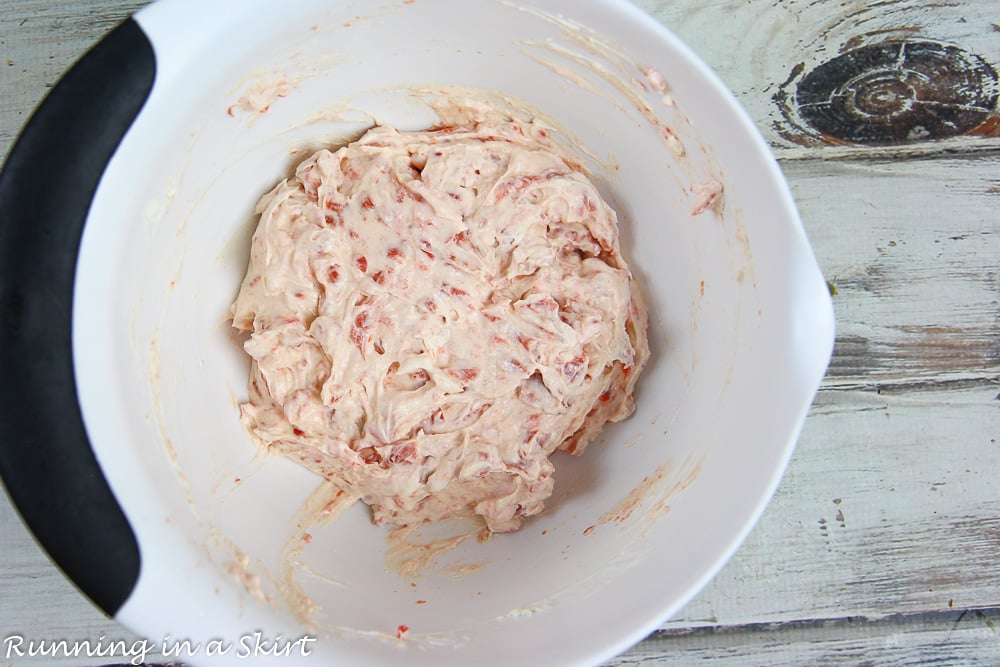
(432, 314)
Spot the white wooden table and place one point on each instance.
(882, 545)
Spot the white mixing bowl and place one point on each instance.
(741, 330)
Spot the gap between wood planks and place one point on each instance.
(951, 619)
(965, 147)
(895, 387)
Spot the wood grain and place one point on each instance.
(882, 544)
(912, 248)
(890, 505)
(761, 48)
(948, 639)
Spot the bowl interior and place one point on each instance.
(739, 331)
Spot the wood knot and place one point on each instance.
(897, 92)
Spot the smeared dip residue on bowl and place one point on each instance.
(325, 504)
(654, 494)
(709, 196)
(255, 94)
(629, 79)
(261, 94)
(260, 90)
(595, 55)
(153, 367)
(415, 549)
(620, 562)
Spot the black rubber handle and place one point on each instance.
(46, 189)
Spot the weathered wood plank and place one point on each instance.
(948, 639)
(764, 48)
(913, 250)
(890, 505)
